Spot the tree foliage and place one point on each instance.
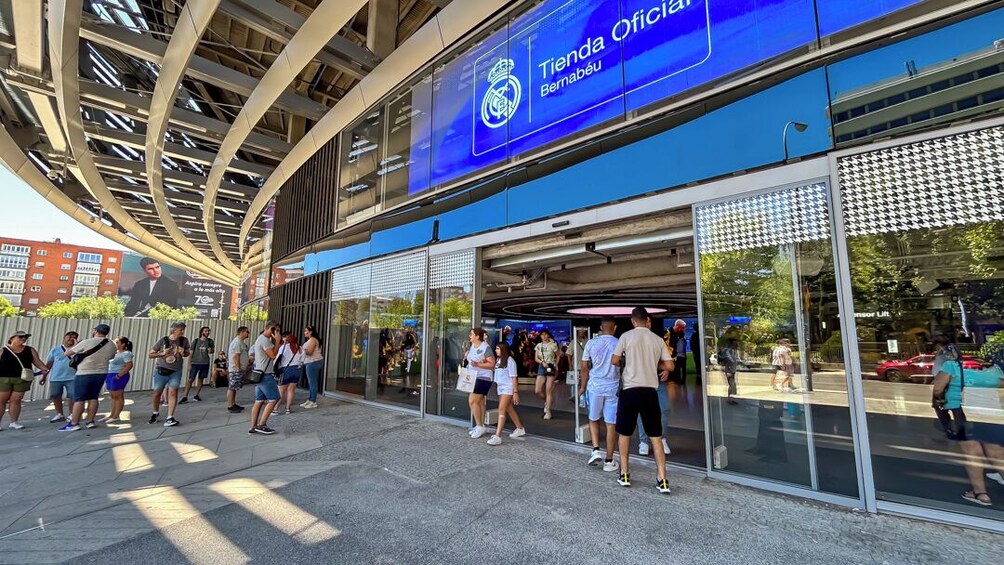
(253, 313)
(86, 307)
(8, 310)
(164, 312)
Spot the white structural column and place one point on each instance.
(64, 42)
(325, 21)
(452, 23)
(192, 21)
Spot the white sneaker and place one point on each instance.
(518, 432)
(665, 447)
(57, 418)
(996, 477)
(595, 457)
(494, 440)
(305, 404)
(311, 405)
(643, 448)
(15, 426)
(547, 414)
(478, 432)
(611, 467)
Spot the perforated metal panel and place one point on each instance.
(399, 274)
(947, 181)
(453, 270)
(775, 218)
(351, 283)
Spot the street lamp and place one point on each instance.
(799, 127)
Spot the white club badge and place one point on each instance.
(503, 95)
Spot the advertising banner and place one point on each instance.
(146, 282)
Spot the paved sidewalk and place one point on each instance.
(352, 484)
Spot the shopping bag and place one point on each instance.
(465, 380)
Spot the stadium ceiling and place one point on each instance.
(158, 123)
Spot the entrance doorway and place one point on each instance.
(563, 284)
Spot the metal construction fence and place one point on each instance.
(47, 333)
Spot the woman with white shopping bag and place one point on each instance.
(480, 368)
(968, 404)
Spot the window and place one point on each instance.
(66, 266)
(113, 259)
(89, 280)
(39, 264)
(13, 262)
(110, 271)
(42, 252)
(32, 301)
(91, 268)
(11, 287)
(68, 255)
(109, 282)
(36, 277)
(15, 249)
(61, 291)
(12, 274)
(36, 289)
(64, 278)
(89, 257)
(85, 291)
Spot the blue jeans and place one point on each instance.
(663, 407)
(313, 371)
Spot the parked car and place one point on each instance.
(918, 368)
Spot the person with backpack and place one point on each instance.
(958, 393)
(169, 356)
(202, 355)
(91, 357)
(728, 358)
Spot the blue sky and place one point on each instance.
(26, 215)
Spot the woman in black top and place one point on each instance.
(16, 356)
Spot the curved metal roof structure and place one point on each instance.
(168, 125)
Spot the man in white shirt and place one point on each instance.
(238, 363)
(600, 381)
(643, 354)
(264, 350)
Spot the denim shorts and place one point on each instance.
(88, 387)
(172, 380)
(291, 375)
(56, 389)
(267, 389)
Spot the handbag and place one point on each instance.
(465, 380)
(255, 377)
(26, 373)
(79, 357)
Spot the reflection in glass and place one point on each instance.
(776, 386)
(451, 317)
(360, 160)
(408, 125)
(348, 338)
(396, 328)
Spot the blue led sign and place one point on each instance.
(838, 15)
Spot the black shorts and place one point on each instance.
(482, 386)
(198, 372)
(639, 401)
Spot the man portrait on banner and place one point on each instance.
(149, 291)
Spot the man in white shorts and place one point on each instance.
(600, 380)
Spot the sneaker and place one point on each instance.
(57, 418)
(183, 400)
(15, 426)
(310, 405)
(305, 404)
(112, 421)
(665, 447)
(663, 486)
(234, 409)
(624, 479)
(595, 458)
(643, 448)
(196, 398)
(238, 406)
(518, 432)
(494, 440)
(153, 417)
(264, 430)
(69, 428)
(547, 414)
(163, 401)
(611, 466)
(478, 432)
(91, 425)
(170, 421)
(253, 431)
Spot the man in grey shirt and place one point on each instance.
(90, 377)
(169, 353)
(203, 349)
(264, 350)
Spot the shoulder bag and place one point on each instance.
(26, 373)
(165, 371)
(79, 357)
(255, 377)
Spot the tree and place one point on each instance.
(253, 312)
(8, 310)
(86, 307)
(164, 312)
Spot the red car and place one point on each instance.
(918, 368)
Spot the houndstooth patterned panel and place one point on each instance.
(456, 269)
(775, 218)
(400, 274)
(352, 283)
(941, 182)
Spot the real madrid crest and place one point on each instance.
(503, 95)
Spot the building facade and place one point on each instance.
(36, 273)
(823, 175)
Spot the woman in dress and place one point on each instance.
(16, 356)
(481, 360)
(312, 363)
(507, 387)
(290, 366)
(118, 377)
(546, 354)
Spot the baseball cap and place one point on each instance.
(103, 329)
(20, 333)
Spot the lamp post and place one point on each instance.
(799, 127)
